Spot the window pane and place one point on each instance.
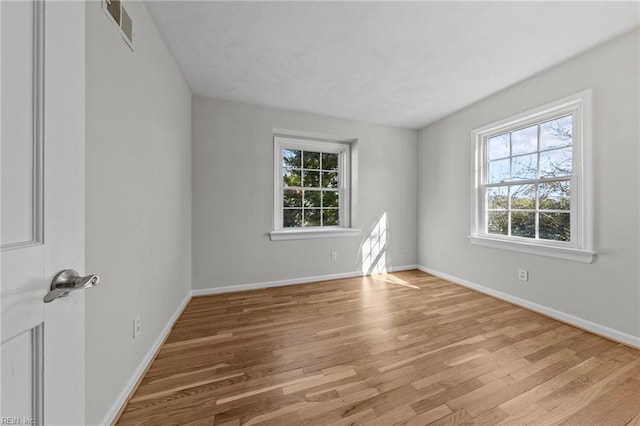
(556, 133)
(499, 146)
(311, 179)
(554, 196)
(292, 158)
(330, 179)
(498, 197)
(311, 160)
(523, 224)
(292, 218)
(524, 141)
(555, 226)
(523, 197)
(498, 223)
(329, 161)
(330, 217)
(330, 198)
(312, 217)
(556, 163)
(292, 177)
(312, 199)
(525, 167)
(292, 198)
(498, 171)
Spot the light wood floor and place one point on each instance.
(405, 348)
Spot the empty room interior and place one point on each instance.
(314, 213)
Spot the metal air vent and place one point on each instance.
(120, 17)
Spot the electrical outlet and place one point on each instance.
(523, 275)
(136, 327)
(334, 255)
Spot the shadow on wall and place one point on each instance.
(374, 248)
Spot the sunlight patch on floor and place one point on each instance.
(392, 279)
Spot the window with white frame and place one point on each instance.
(312, 188)
(531, 185)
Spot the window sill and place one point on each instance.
(565, 253)
(305, 234)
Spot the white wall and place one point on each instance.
(138, 199)
(233, 195)
(606, 292)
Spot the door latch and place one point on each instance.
(68, 280)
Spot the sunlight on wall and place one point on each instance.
(374, 249)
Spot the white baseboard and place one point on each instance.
(582, 323)
(110, 417)
(402, 268)
(279, 283)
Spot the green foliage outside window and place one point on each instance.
(310, 197)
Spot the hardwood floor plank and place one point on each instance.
(356, 419)
(524, 417)
(523, 400)
(578, 385)
(490, 418)
(405, 348)
(428, 417)
(503, 394)
(589, 397)
(635, 421)
(456, 418)
(191, 384)
(295, 385)
(394, 416)
(618, 406)
(341, 407)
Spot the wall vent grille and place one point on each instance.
(117, 13)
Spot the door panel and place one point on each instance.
(17, 375)
(22, 167)
(42, 173)
(22, 290)
(23, 254)
(21, 141)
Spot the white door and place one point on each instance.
(42, 83)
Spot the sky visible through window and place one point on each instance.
(528, 187)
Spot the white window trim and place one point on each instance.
(580, 248)
(311, 233)
(344, 188)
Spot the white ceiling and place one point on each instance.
(394, 63)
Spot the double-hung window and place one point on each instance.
(312, 189)
(531, 184)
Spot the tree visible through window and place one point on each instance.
(528, 188)
(310, 195)
(532, 181)
(312, 185)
